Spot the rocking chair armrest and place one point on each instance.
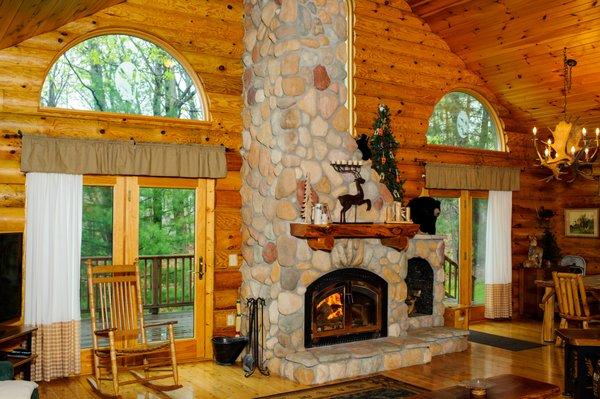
(163, 323)
(105, 331)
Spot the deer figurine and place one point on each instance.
(347, 200)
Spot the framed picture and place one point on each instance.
(581, 222)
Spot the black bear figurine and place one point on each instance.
(424, 211)
(363, 146)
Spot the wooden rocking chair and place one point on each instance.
(117, 318)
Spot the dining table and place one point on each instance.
(591, 284)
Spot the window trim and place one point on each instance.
(351, 100)
(492, 111)
(112, 116)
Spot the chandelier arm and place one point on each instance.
(535, 145)
(593, 155)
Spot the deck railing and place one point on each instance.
(166, 280)
(451, 278)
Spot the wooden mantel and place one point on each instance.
(322, 237)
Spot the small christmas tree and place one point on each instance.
(383, 145)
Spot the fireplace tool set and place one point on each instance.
(254, 358)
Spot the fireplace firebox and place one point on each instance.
(345, 305)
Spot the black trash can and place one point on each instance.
(227, 349)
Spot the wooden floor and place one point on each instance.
(208, 380)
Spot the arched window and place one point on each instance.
(122, 74)
(459, 119)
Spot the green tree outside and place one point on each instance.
(122, 74)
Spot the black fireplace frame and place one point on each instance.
(337, 276)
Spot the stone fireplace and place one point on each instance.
(345, 305)
(295, 124)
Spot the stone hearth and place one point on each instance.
(324, 364)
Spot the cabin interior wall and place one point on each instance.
(398, 61)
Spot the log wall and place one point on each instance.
(583, 194)
(208, 36)
(398, 61)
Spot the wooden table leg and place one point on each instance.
(548, 324)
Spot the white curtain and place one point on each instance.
(498, 256)
(52, 259)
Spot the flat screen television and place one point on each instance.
(11, 275)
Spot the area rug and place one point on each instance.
(373, 387)
(510, 344)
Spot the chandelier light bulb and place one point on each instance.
(535, 130)
(549, 141)
(546, 152)
(597, 132)
(573, 150)
(584, 132)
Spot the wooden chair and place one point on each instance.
(572, 301)
(117, 319)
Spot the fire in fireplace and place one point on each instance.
(345, 305)
(419, 284)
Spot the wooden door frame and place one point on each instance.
(125, 249)
(465, 245)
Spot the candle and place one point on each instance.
(238, 323)
(238, 308)
(587, 150)
(535, 131)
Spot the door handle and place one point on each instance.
(200, 271)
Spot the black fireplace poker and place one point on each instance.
(254, 358)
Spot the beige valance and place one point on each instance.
(104, 157)
(469, 177)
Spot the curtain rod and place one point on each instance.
(19, 135)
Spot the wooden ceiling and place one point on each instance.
(516, 46)
(22, 19)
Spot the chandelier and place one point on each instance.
(570, 152)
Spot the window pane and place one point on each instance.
(96, 244)
(448, 226)
(122, 74)
(479, 227)
(166, 257)
(461, 120)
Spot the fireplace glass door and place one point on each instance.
(341, 309)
